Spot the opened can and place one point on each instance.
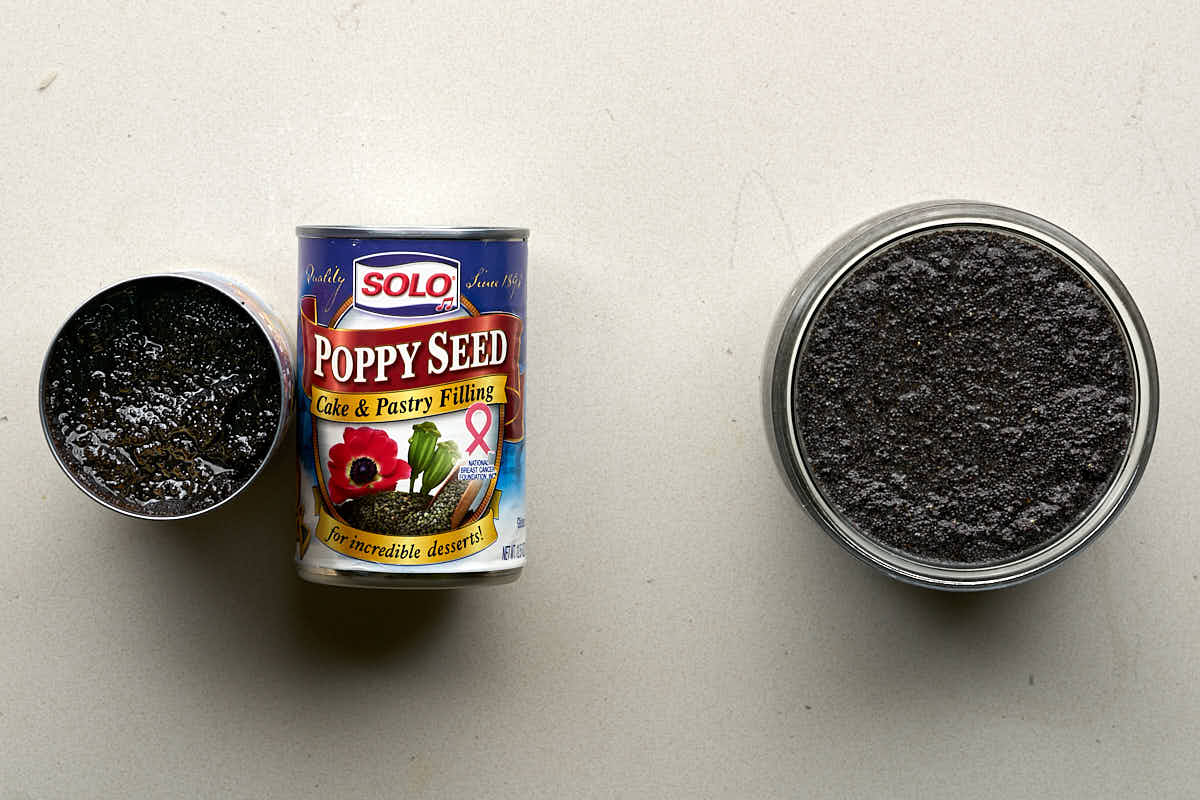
(411, 426)
(165, 395)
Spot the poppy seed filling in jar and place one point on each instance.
(963, 395)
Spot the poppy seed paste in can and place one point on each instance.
(411, 426)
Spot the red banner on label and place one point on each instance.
(374, 360)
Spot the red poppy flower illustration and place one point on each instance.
(364, 462)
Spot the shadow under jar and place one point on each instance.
(963, 395)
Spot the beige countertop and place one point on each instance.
(682, 629)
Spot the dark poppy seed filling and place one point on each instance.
(162, 396)
(403, 513)
(964, 396)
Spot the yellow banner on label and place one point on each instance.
(408, 550)
(407, 403)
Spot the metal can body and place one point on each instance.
(410, 424)
(796, 321)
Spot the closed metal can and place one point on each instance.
(411, 426)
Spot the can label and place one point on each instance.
(411, 431)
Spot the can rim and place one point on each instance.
(844, 255)
(411, 232)
(283, 368)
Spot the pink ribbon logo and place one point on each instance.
(487, 426)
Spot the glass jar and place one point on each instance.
(803, 305)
